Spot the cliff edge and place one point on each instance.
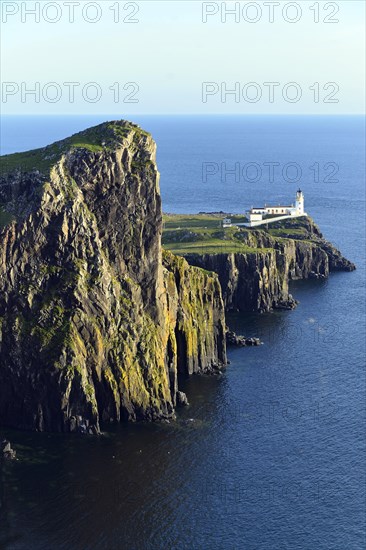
(254, 266)
(94, 325)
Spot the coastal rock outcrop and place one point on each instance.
(249, 282)
(94, 325)
(233, 339)
(6, 451)
(259, 281)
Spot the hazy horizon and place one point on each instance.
(183, 57)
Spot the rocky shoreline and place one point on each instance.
(259, 281)
(6, 451)
(97, 322)
(233, 339)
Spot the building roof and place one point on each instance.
(278, 206)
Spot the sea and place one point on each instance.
(270, 455)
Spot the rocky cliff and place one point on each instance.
(286, 251)
(94, 325)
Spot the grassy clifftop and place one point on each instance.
(254, 265)
(96, 139)
(95, 325)
(204, 234)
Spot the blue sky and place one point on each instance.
(170, 53)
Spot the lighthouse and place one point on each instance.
(299, 203)
(269, 214)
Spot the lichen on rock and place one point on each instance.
(95, 326)
(287, 251)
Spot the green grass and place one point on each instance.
(203, 234)
(43, 159)
(282, 232)
(96, 139)
(215, 246)
(5, 218)
(203, 221)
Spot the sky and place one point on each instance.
(180, 57)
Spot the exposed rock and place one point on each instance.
(6, 452)
(93, 326)
(259, 281)
(182, 399)
(195, 304)
(189, 421)
(233, 339)
(288, 304)
(249, 282)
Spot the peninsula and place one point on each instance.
(254, 264)
(98, 321)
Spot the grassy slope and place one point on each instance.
(203, 234)
(283, 232)
(188, 221)
(99, 138)
(93, 139)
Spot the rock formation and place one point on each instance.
(259, 281)
(97, 323)
(233, 339)
(6, 452)
(94, 325)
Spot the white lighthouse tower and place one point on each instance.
(300, 210)
(269, 214)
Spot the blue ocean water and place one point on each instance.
(272, 454)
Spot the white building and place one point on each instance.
(226, 222)
(258, 216)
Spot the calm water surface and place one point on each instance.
(270, 455)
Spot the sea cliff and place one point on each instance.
(99, 323)
(94, 325)
(255, 266)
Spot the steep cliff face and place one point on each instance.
(260, 281)
(195, 306)
(93, 326)
(249, 282)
